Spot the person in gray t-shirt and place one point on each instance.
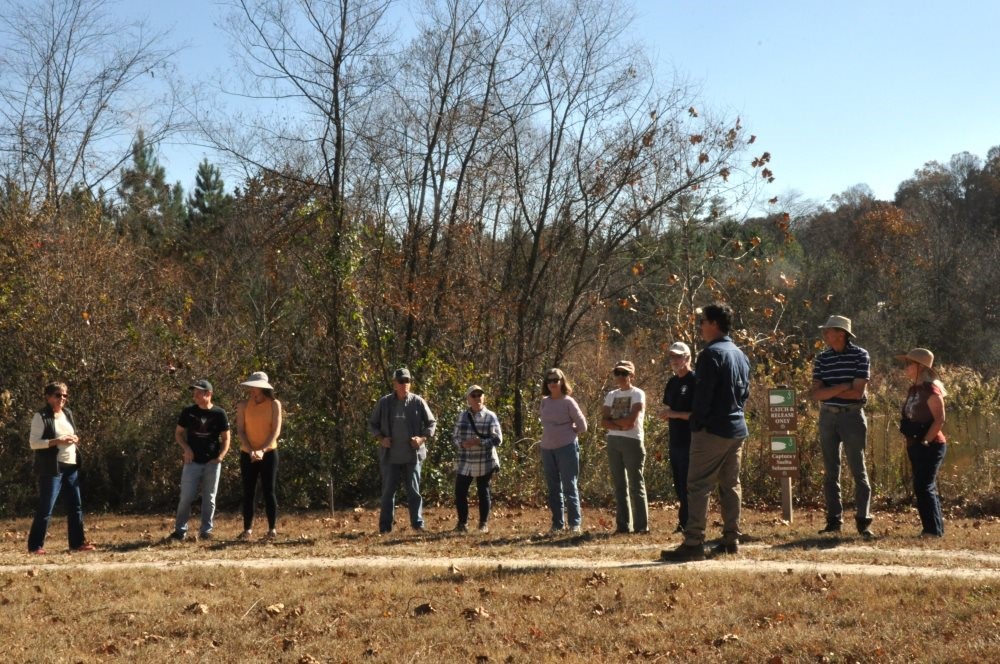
(401, 423)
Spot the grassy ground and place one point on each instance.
(421, 607)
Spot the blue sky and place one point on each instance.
(840, 93)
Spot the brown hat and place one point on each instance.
(921, 356)
(626, 365)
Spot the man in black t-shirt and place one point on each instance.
(203, 434)
(678, 397)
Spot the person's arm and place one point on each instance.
(856, 389)
(241, 431)
(606, 421)
(706, 378)
(428, 423)
(36, 442)
(496, 435)
(936, 405)
(576, 414)
(276, 415)
(672, 414)
(224, 441)
(462, 436)
(820, 392)
(180, 435)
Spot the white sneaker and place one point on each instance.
(577, 529)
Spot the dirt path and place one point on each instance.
(745, 562)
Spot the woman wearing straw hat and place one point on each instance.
(921, 424)
(258, 425)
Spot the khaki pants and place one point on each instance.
(625, 460)
(714, 460)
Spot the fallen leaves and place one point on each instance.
(274, 609)
(196, 608)
(476, 614)
(725, 639)
(424, 609)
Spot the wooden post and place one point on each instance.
(786, 499)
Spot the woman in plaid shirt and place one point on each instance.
(477, 434)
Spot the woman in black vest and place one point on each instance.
(57, 463)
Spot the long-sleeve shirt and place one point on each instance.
(67, 453)
(417, 419)
(562, 422)
(722, 387)
(484, 425)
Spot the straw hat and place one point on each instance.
(838, 323)
(258, 379)
(921, 356)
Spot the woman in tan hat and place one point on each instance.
(258, 425)
(921, 423)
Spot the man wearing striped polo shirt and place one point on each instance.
(840, 379)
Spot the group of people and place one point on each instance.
(703, 405)
(202, 433)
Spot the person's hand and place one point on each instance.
(666, 412)
(256, 455)
(188, 456)
(416, 442)
(470, 443)
(215, 461)
(68, 439)
(386, 442)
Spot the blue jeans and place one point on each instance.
(562, 472)
(195, 476)
(926, 462)
(849, 428)
(393, 474)
(67, 482)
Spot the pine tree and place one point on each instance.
(151, 209)
(209, 201)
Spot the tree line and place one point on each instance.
(506, 190)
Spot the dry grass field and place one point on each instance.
(330, 590)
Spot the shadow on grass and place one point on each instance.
(223, 545)
(811, 543)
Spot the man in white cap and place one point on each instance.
(840, 381)
(402, 422)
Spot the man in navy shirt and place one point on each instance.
(840, 379)
(718, 429)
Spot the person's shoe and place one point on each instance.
(683, 553)
(644, 531)
(622, 531)
(37, 552)
(83, 548)
(927, 535)
(205, 537)
(725, 549)
(272, 535)
(484, 527)
(831, 529)
(679, 529)
(577, 529)
(175, 536)
(867, 535)
(461, 528)
(556, 529)
(245, 536)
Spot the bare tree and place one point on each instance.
(69, 104)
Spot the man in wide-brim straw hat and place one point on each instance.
(840, 380)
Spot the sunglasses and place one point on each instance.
(476, 395)
(621, 372)
(550, 381)
(403, 381)
(59, 395)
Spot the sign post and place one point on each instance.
(783, 424)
